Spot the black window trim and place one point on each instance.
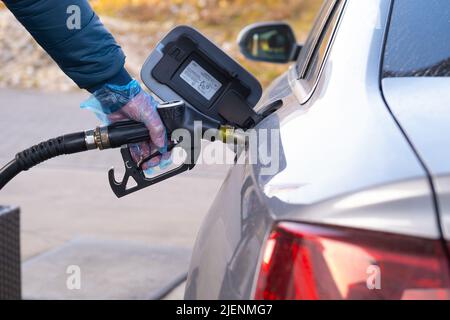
(316, 32)
(302, 87)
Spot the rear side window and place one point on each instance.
(418, 41)
(312, 71)
(313, 54)
(314, 36)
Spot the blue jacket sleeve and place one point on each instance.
(86, 52)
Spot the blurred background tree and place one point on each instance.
(139, 24)
(220, 19)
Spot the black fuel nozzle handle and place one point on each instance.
(126, 132)
(174, 115)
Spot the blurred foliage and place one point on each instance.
(219, 19)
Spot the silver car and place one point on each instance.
(359, 207)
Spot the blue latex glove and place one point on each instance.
(113, 103)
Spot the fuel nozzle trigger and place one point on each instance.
(133, 170)
(175, 115)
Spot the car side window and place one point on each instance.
(315, 57)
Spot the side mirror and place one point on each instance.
(269, 41)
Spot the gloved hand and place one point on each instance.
(113, 103)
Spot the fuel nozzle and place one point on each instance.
(230, 135)
(175, 115)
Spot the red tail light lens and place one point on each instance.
(302, 261)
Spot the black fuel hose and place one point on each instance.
(112, 136)
(28, 158)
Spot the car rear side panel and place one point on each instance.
(342, 142)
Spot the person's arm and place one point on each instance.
(89, 55)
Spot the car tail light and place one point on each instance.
(302, 261)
